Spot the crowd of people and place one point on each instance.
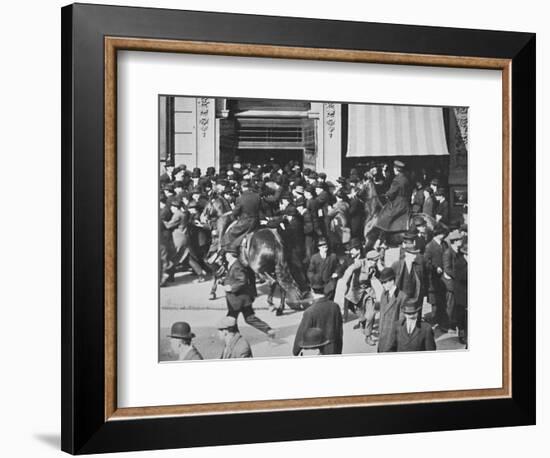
(322, 226)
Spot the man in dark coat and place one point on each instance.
(411, 333)
(394, 215)
(322, 272)
(461, 293)
(391, 302)
(166, 243)
(294, 242)
(433, 258)
(450, 259)
(410, 274)
(240, 292)
(247, 212)
(310, 236)
(356, 214)
(325, 315)
(442, 209)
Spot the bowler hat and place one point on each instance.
(181, 330)
(455, 235)
(373, 255)
(411, 235)
(435, 181)
(313, 338)
(227, 322)
(322, 242)
(411, 306)
(387, 274)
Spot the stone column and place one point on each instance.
(330, 135)
(206, 133)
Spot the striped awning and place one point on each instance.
(395, 130)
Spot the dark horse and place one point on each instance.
(262, 250)
(373, 205)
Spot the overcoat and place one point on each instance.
(357, 216)
(324, 314)
(421, 339)
(433, 258)
(420, 275)
(320, 270)
(390, 307)
(393, 216)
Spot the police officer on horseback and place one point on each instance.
(394, 215)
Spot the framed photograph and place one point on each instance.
(284, 228)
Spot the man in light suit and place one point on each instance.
(235, 345)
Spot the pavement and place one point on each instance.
(185, 300)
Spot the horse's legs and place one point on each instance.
(279, 311)
(214, 288)
(272, 287)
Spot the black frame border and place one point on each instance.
(84, 429)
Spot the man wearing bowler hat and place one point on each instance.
(411, 333)
(433, 258)
(410, 274)
(391, 302)
(322, 272)
(450, 259)
(181, 342)
(394, 215)
(235, 345)
(240, 291)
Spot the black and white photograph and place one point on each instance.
(295, 228)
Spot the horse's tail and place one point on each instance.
(282, 272)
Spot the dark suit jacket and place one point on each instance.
(357, 216)
(421, 339)
(443, 210)
(323, 314)
(419, 270)
(461, 281)
(238, 347)
(450, 257)
(433, 258)
(247, 205)
(320, 270)
(243, 286)
(390, 306)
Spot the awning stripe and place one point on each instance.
(389, 130)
